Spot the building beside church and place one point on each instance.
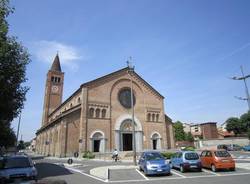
(97, 116)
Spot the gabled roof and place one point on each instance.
(56, 64)
(123, 70)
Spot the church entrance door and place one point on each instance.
(127, 140)
(97, 145)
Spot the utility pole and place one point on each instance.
(246, 88)
(130, 71)
(18, 128)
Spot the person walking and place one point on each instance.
(115, 155)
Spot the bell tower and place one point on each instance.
(53, 90)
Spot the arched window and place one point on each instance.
(79, 100)
(91, 112)
(157, 117)
(97, 113)
(103, 113)
(153, 117)
(148, 117)
(71, 105)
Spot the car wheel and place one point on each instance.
(145, 172)
(140, 168)
(200, 170)
(182, 169)
(213, 168)
(232, 169)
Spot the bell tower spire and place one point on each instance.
(53, 89)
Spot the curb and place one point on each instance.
(103, 172)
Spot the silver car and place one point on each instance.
(17, 167)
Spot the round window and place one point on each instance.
(125, 98)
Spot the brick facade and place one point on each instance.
(94, 119)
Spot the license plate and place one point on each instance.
(159, 170)
(225, 160)
(193, 166)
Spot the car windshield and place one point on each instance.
(221, 154)
(16, 163)
(191, 156)
(154, 156)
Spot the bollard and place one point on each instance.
(70, 161)
(108, 174)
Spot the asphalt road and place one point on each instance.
(54, 169)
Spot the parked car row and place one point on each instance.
(233, 147)
(154, 163)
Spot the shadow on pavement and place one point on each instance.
(37, 157)
(49, 170)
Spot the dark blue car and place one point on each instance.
(153, 163)
(186, 160)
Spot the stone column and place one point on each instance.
(139, 140)
(117, 140)
(83, 121)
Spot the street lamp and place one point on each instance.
(18, 128)
(130, 71)
(246, 88)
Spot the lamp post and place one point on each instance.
(246, 88)
(18, 128)
(130, 71)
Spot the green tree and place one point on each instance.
(13, 61)
(179, 131)
(21, 145)
(245, 119)
(248, 133)
(27, 144)
(189, 137)
(234, 124)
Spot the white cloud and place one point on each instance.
(46, 51)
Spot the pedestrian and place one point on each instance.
(115, 155)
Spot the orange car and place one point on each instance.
(217, 159)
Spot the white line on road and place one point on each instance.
(178, 178)
(142, 174)
(178, 174)
(78, 171)
(211, 172)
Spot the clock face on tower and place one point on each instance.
(54, 89)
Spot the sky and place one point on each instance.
(186, 49)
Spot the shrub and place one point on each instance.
(167, 155)
(189, 148)
(88, 155)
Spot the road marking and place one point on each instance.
(178, 174)
(177, 178)
(124, 181)
(211, 172)
(155, 179)
(142, 174)
(78, 171)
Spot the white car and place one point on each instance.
(17, 167)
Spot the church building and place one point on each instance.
(97, 117)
